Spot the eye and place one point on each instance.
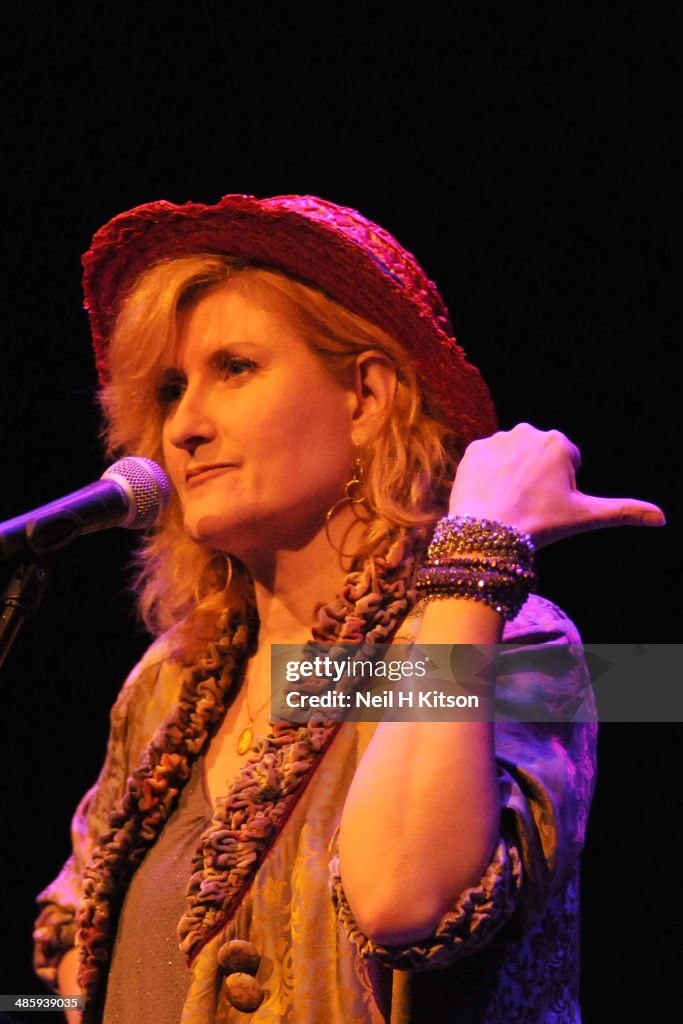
(228, 365)
(171, 388)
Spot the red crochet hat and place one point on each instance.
(332, 248)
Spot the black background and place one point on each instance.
(525, 154)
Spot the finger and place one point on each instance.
(572, 451)
(601, 513)
(575, 456)
(566, 446)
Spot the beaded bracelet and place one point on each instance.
(456, 534)
(480, 559)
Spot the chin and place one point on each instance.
(253, 536)
(215, 532)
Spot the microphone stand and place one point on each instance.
(21, 598)
(50, 531)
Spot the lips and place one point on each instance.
(198, 474)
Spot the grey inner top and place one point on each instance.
(149, 978)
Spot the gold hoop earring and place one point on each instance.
(216, 576)
(353, 495)
(228, 580)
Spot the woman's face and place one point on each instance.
(257, 435)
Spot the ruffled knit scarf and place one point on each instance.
(246, 822)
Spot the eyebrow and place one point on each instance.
(239, 348)
(218, 351)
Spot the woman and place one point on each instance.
(294, 371)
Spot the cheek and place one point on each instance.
(172, 460)
(317, 433)
(318, 418)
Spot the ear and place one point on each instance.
(374, 391)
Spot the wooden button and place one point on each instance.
(238, 955)
(244, 992)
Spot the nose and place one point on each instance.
(190, 424)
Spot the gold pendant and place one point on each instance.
(244, 739)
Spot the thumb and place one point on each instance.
(600, 513)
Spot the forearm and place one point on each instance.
(421, 818)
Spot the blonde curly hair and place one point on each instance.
(408, 469)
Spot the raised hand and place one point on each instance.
(527, 478)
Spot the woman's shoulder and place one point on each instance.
(160, 650)
(542, 675)
(541, 620)
(151, 687)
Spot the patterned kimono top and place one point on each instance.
(506, 951)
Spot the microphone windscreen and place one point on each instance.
(146, 486)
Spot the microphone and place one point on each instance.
(132, 493)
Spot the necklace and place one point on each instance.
(244, 740)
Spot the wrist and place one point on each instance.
(480, 560)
